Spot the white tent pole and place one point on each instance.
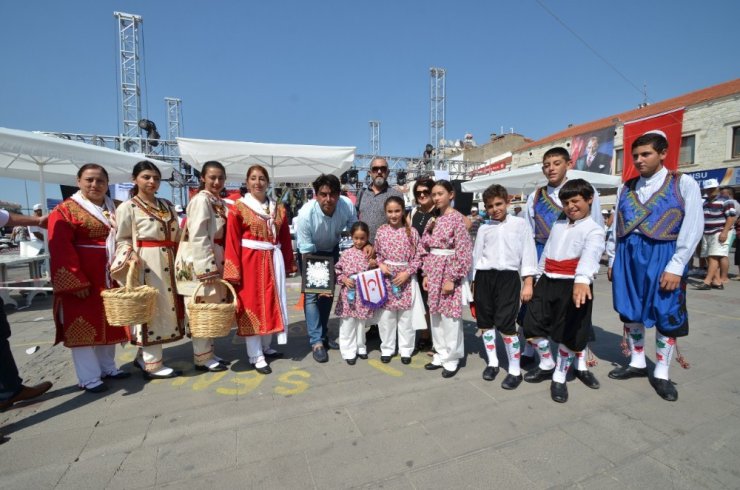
(45, 212)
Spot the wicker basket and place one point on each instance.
(210, 320)
(129, 305)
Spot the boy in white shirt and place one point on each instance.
(504, 249)
(562, 301)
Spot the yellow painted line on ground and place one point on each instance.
(297, 386)
(385, 368)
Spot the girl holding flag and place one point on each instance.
(351, 307)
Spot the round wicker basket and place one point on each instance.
(129, 305)
(210, 320)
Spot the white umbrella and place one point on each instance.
(522, 179)
(284, 162)
(46, 158)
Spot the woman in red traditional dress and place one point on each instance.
(82, 243)
(258, 254)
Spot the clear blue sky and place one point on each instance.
(317, 72)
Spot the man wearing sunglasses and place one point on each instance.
(371, 201)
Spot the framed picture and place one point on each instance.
(318, 274)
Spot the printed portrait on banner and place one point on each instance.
(593, 151)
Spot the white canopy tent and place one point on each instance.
(527, 179)
(284, 162)
(46, 158)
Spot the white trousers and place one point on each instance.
(352, 337)
(391, 322)
(202, 351)
(152, 357)
(93, 362)
(256, 347)
(447, 336)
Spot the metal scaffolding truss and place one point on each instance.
(375, 137)
(174, 118)
(438, 104)
(129, 47)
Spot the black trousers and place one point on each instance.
(10, 382)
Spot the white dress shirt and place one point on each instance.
(583, 239)
(505, 246)
(553, 193)
(692, 227)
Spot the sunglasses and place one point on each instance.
(378, 169)
(421, 193)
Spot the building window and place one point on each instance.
(736, 142)
(688, 147)
(618, 161)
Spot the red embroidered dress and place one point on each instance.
(79, 261)
(252, 271)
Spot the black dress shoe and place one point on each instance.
(352, 361)
(559, 392)
(331, 344)
(448, 374)
(703, 287)
(627, 372)
(431, 366)
(489, 374)
(274, 355)
(174, 374)
(320, 355)
(385, 359)
(538, 375)
(214, 369)
(718, 286)
(588, 378)
(97, 389)
(511, 382)
(263, 370)
(665, 388)
(405, 360)
(362, 356)
(224, 362)
(118, 375)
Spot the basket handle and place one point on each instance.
(228, 285)
(132, 270)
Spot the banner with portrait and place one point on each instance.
(593, 151)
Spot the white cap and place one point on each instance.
(38, 207)
(179, 209)
(474, 209)
(604, 211)
(710, 184)
(656, 131)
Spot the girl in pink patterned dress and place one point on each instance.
(446, 265)
(349, 307)
(399, 257)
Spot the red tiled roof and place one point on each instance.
(686, 100)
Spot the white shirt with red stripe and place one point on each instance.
(583, 241)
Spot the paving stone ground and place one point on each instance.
(377, 425)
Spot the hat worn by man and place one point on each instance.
(38, 207)
(710, 184)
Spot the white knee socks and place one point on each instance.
(512, 352)
(565, 359)
(489, 341)
(664, 347)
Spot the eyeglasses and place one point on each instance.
(379, 169)
(421, 193)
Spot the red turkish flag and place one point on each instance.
(671, 123)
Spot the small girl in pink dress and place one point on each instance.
(445, 267)
(398, 252)
(349, 307)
